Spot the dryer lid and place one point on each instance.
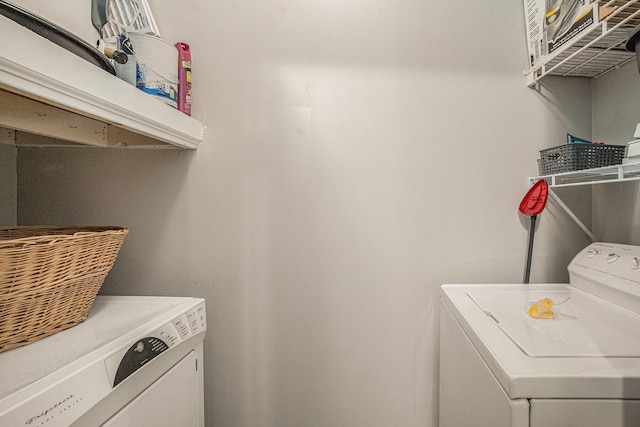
(584, 326)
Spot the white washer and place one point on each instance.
(501, 368)
(133, 361)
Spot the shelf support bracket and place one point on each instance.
(572, 215)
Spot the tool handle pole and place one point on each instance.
(532, 231)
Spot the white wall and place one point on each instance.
(616, 112)
(357, 156)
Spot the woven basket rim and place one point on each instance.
(61, 227)
(43, 238)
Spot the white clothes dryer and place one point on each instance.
(133, 361)
(499, 367)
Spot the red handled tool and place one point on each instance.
(533, 204)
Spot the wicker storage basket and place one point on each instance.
(579, 156)
(49, 277)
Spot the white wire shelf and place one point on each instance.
(596, 51)
(618, 173)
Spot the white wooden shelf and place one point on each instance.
(59, 98)
(596, 51)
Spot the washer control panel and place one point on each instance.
(616, 260)
(127, 361)
(610, 271)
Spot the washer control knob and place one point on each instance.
(612, 257)
(592, 252)
(635, 263)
